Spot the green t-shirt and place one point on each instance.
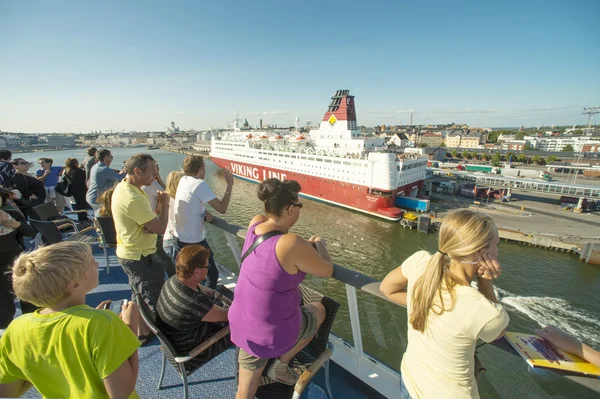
(66, 354)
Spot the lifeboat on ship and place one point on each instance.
(275, 138)
(264, 137)
(297, 139)
(249, 136)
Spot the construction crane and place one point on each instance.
(590, 112)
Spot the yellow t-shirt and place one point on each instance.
(66, 354)
(439, 363)
(131, 210)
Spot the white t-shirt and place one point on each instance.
(168, 237)
(190, 207)
(439, 363)
(152, 193)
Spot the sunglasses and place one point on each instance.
(298, 205)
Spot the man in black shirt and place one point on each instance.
(188, 313)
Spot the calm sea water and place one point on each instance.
(538, 286)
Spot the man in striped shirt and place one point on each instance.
(189, 313)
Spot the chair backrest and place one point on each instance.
(150, 319)
(46, 211)
(107, 229)
(318, 345)
(48, 230)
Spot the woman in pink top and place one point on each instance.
(266, 319)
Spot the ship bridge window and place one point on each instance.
(338, 162)
(319, 159)
(328, 160)
(311, 159)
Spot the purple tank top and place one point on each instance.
(265, 315)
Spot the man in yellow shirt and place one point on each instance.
(67, 349)
(137, 225)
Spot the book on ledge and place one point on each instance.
(538, 352)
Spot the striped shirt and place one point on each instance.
(180, 311)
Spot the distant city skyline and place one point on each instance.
(78, 67)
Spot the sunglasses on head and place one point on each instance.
(298, 205)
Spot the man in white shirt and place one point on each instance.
(193, 193)
(152, 191)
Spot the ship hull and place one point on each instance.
(352, 196)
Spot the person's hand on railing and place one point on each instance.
(320, 245)
(570, 344)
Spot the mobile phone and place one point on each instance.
(116, 306)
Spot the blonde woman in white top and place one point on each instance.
(446, 314)
(173, 179)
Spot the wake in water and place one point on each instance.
(555, 311)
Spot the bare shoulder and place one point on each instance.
(258, 219)
(291, 240)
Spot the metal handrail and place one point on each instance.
(347, 276)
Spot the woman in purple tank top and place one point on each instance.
(266, 319)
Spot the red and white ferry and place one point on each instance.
(336, 164)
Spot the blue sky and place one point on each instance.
(82, 66)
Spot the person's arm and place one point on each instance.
(14, 389)
(394, 285)
(570, 344)
(110, 174)
(42, 176)
(221, 205)
(486, 287)
(159, 179)
(121, 382)
(215, 314)
(158, 225)
(294, 250)
(214, 294)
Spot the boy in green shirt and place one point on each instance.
(67, 349)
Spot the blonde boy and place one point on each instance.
(67, 349)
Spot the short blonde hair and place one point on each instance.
(42, 277)
(173, 179)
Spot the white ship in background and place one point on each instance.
(336, 163)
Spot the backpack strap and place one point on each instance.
(259, 241)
